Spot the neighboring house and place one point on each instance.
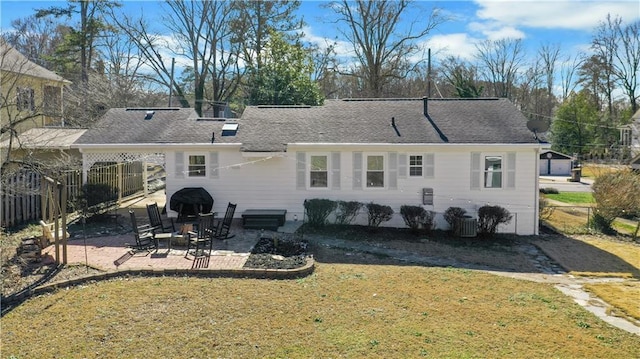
(31, 94)
(554, 163)
(435, 153)
(630, 135)
(44, 145)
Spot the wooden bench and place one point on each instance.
(269, 219)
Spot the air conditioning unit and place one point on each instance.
(467, 227)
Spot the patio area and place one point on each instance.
(111, 252)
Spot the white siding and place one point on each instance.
(270, 182)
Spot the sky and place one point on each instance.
(567, 23)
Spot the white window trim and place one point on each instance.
(409, 175)
(308, 171)
(205, 165)
(385, 170)
(483, 170)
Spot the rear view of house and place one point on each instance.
(435, 153)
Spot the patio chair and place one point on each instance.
(145, 238)
(202, 237)
(156, 221)
(223, 226)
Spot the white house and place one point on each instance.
(437, 153)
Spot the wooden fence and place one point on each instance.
(21, 197)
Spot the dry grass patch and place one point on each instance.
(623, 296)
(568, 220)
(594, 255)
(342, 310)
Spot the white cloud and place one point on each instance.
(559, 14)
(496, 31)
(342, 48)
(458, 45)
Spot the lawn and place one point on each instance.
(342, 310)
(572, 197)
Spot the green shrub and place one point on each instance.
(489, 217)
(317, 211)
(416, 217)
(378, 213)
(347, 211)
(549, 190)
(452, 215)
(96, 198)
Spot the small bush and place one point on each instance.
(452, 215)
(549, 190)
(428, 224)
(616, 194)
(489, 217)
(378, 213)
(544, 210)
(96, 198)
(347, 211)
(416, 217)
(317, 210)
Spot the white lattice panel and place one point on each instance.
(89, 159)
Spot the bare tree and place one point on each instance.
(548, 58)
(501, 61)
(383, 48)
(201, 35)
(568, 71)
(618, 48)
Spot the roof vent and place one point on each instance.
(149, 115)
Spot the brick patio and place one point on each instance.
(112, 253)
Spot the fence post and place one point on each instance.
(589, 218)
(63, 212)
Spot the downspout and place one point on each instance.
(536, 203)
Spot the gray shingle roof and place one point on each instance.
(370, 121)
(167, 125)
(271, 128)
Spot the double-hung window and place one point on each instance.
(25, 99)
(375, 171)
(493, 172)
(319, 171)
(197, 166)
(415, 166)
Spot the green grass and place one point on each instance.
(341, 310)
(572, 197)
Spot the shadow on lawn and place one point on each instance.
(575, 255)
